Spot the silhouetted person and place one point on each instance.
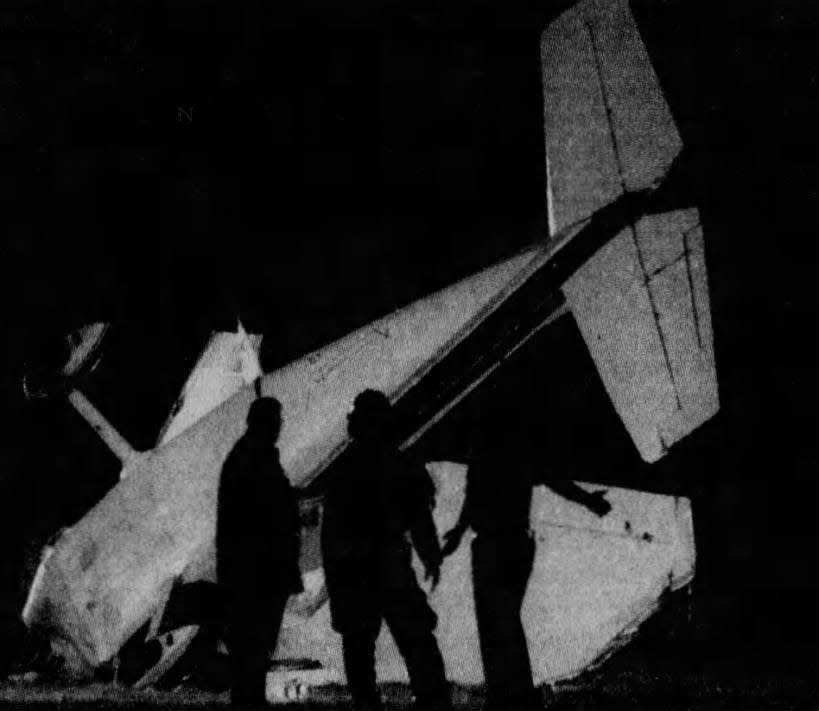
(367, 559)
(257, 549)
(497, 509)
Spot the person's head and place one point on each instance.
(265, 417)
(371, 417)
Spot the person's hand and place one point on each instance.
(433, 574)
(452, 539)
(596, 502)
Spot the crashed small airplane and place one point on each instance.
(624, 256)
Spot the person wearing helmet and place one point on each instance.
(257, 549)
(368, 508)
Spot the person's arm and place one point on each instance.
(452, 538)
(425, 538)
(421, 495)
(595, 501)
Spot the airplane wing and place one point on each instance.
(641, 302)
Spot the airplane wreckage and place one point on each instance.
(624, 257)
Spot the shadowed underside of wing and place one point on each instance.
(641, 302)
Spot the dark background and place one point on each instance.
(310, 166)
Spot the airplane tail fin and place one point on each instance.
(641, 302)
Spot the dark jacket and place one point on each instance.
(498, 493)
(257, 524)
(368, 510)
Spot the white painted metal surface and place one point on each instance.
(642, 301)
(228, 363)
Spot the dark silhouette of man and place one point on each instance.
(497, 509)
(368, 509)
(257, 549)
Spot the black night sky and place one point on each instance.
(312, 165)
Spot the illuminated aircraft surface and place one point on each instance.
(624, 257)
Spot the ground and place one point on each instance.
(622, 690)
(670, 665)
